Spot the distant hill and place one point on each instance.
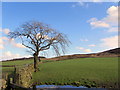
(23, 58)
(109, 53)
(115, 51)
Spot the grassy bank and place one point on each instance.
(91, 72)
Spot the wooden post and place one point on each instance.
(34, 87)
(11, 80)
(14, 78)
(8, 84)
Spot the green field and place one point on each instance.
(98, 72)
(90, 72)
(22, 62)
(9, 70)
(18, 63)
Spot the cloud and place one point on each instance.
(1, 46)
(9, 55)
(87, 50)
(84, 3)
(112, 17)
(43, 36)
(95, 0)
(92, 45)
(96, 23)
(0, 29)
(84, 50)
(3, 41)
(81, 48)
(80, 3)
(110, 21)
(110, 42)
(4, 38)
(19, 45)
(6, 30)
(113, 29)
(7, 41)
(84, 40)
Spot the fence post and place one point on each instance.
(14, 78)
(8, 84)
(34, 87)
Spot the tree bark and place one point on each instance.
(35, 62)
(39, 59)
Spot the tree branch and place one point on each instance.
(28, 47)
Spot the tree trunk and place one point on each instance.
(35, 62)
(39, 59)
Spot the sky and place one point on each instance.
(90, 26)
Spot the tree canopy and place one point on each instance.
(38, 37)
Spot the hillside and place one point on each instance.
(115, 51)
(109, 53)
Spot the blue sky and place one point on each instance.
(91, 27)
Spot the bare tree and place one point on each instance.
(38, 37)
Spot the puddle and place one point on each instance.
(67, 87)
(58, 86)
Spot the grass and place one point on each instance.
(9, 70)
(98, 72)
(22, 62)
(88, 72)
(18, 62)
